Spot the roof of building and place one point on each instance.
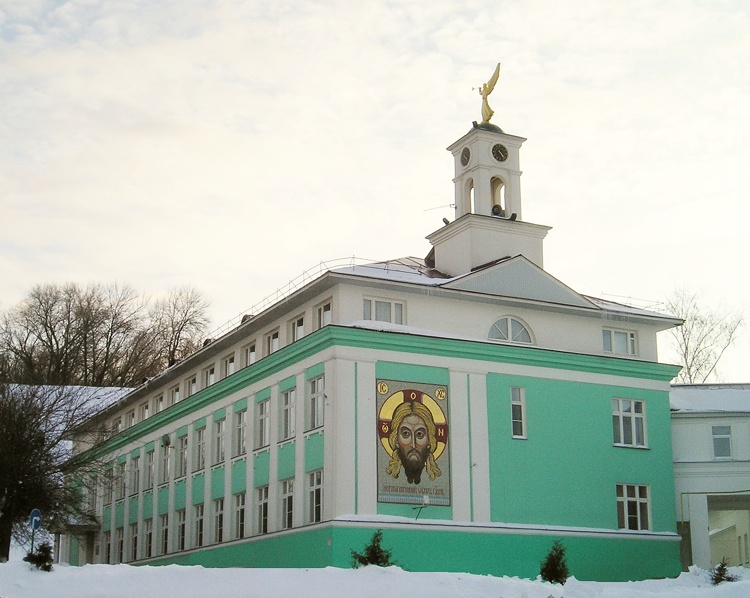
(515, 284)
(710, 397)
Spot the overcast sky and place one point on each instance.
(232, 145)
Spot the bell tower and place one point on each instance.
(488, 176)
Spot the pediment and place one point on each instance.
(519, 278)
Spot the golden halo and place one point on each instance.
(385, 415)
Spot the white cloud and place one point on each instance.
(232, 144)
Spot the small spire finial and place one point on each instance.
(485, 91)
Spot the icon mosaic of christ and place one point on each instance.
(413, 431)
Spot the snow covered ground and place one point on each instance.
(20, 580)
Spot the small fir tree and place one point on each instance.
(554, 568)
(721, 573)
(373, 554)
(41, 558)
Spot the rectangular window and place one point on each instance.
(107, 547)
(316, 402)
(264, 423)
(120, 544)
(164, 465)
(227, 366)
(191, 386)
(135, 475)
(272, 342)
(133, 541)
(628, 422)
(149, 480)
(298, 328)
(182, 457)
(722, 441)
(200, 448)
(249, 355)
(159, 404)
(518, 411)
(198, 512)
(288, 416)
(315, 497)
(240, 423)
(144, 411)
(619, 342)
(108, 485)
(323, 315)
(633, 507)
(148, 539)
(239, 515)
(209, 376)
(218, 520)
(120, 481)
(219, 432)
(287, 504)
(383, 311)
(181, 529)
(261, 524)
(164, 538)
(174, 395)
(130, 418)
(117, 425)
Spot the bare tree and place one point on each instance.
(35, 426)
(101, 335)
(180, 322)
(702, 339)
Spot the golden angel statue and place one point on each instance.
(485, 91)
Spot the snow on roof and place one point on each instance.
(710, 397)
(405, 269)
(627, 309)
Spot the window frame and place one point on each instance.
(228, 365)
(239, 515)
(518, 412)
(148, 538)
(641, 504)
(208, 375)
(218, 447)
(510, 334)
(181, 516)
(272, 342)
(297, 328)
(135, 475)
(631, 342)
(249, 354)
(133, 533)
(263, 416)
(727, 436)
(148, 482)
(181, 458)
(199, 512)
(288, 414)
(396, 310)
(315, 496)
(217, 508)
(622, 429)
(191, 385)
(200, 449)
(321, 319)
(287, 503)
(164, 533)
(316, 399)
(262, 510)
(239, 446)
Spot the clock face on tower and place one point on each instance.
(465, 156)
(499, 152)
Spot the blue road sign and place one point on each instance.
(35, 519)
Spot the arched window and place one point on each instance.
(510, 330)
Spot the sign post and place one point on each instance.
(35, 522)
